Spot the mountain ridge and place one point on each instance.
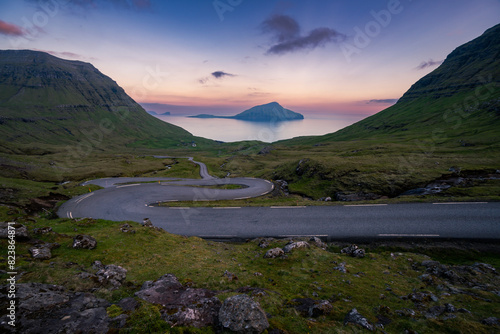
(45, 100)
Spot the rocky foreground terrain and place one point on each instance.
(279, 286)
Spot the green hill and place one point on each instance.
(46, 102)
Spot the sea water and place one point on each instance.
(231, 130)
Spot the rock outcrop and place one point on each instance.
(46, 308)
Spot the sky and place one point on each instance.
(317, 57)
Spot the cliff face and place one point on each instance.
(49, 100)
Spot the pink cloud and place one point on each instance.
(10, 29)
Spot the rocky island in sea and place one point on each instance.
(263, 113)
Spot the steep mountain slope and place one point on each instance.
(460, 99)
(47, 102)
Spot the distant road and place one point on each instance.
(129, 199)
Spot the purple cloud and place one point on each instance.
(285, 31)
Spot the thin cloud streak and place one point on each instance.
(430, 63)
(382, 101)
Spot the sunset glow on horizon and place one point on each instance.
(315, 57)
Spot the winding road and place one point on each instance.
(135, 199)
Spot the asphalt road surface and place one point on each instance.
(131, 199)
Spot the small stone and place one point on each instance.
(230, 276)
(341, 267)
(312, 308)
(353, 317)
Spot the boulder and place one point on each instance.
(112, 274)
(242, 314)
(292, 245)
(84, 241)
(46, 308)
(353, 317)
(274, 253)
(309, 307)
(21, 232)
(354, 251)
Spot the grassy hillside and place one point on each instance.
(47, 102)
